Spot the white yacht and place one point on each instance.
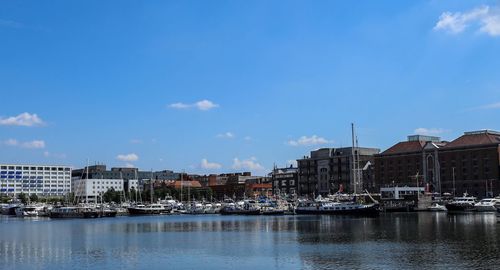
(465, 203)
(487, 205)
(30, 210)
(436, 207)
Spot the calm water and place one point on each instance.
(392, 241)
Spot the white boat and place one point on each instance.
(487, 205)
(436, 207)
(336, 208)
(152, 209)
(465, 203)
(30, 211)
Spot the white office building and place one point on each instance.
(90, 189)
(41, 180)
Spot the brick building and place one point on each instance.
(469, 163)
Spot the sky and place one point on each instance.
(226, 86)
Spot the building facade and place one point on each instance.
(89, 190)
(285, 180)
(329, 170)
(469, 164)
(41, 180)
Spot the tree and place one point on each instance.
(23, 197)
(33, 198)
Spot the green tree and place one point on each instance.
(22, 197)
(33, 198)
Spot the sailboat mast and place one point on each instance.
(354, 175)
(151, 187)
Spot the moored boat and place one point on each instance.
(462, 204)
(151, 209)
(336, 208)
(487, 205)
(30, 210)
(67, 212)
(436, 207)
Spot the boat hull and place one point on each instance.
(253, 212)
(364, 211)
(460, 207)
(146, 212)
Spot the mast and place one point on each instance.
(86, 182)
(151, 187)
(353, 156)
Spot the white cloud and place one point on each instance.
(247, 164)
(488, 20)
(135, 141)
(209, 165)
(35, 144)
(24, 119)
(205, 105)
(128, 157)
(308, 141)
(11, 142)
(179, 105)
(129, 165)
(247, 138)
(202, 105)
(429, 131)
(491, 106)
(227, 135)
(48, 154)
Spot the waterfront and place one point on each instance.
(391, 241)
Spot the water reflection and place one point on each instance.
(392, 241)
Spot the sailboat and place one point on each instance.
(152, 208)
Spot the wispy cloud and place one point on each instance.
(202, 105)
(227, 135)
(430, 131)
(24, 119)
(48, 154)
(205, 164)
(491, 106)
(35, 144)
(10, 23)
(485, 18)
(135, 141)
(308, 141)
(250, 164)
(128, 157)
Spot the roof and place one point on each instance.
(184, 184)
(405, 147)
(475, 138)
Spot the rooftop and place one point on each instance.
(476, 138)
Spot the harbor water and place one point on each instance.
(391, 241)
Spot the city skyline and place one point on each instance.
(220, 88)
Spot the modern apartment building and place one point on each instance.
(42, 180)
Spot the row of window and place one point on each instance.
(5, 167)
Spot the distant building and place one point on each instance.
(469, 163)
(42, 180)
(132, 178)
(89, 190)
(329, 170)
(285, 180)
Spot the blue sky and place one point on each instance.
(220, 86)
